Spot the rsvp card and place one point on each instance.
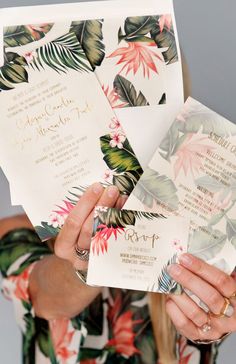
(193, 174)
(132, 249)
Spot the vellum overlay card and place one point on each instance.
(58, 133)
(132, 250)
(193, 174)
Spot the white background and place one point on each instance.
(207, 36)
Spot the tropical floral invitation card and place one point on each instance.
(193, 174)
(58, 133)
(132, 250)
(133, 49)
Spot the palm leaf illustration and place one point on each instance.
(148, 215)
(165, 283)
(62, 54)
(127, 93)
(89, 34)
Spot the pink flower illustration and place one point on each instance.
(100, 240)
(177, 245)
(62, 337)
(64, 210)
(189, 154)
(113, 98)
(115, 124)
(108, 175)
(165, 20)
(30, 56)
(21, 283)
(137, 55)
(118, 139)
(37, 29)
(56, 220)
(122, 325)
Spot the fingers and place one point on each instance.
(190, 309)
(68, 236)
(121, 201)
(183, 325)
(109, 199)
(208, 294)
(224, 283)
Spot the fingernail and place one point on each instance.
(112, 191)
(174, 270)
(186, 259)
(97, 188)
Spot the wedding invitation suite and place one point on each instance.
(133, 49)
(58, 133)
(193, 174)
(132, 249)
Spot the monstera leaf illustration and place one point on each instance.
(15, 36)
(153, 187)
(62, 54)
(127, 93)
(165, 38)
(119, 160)
(205, 243)
(89, 34)
(136, 27)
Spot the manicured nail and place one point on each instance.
(186, 259)
(174, 270)
(112, 191)
(97, 188)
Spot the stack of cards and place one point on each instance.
(88, 95)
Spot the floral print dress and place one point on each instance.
(115, 328)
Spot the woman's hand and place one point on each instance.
(56, 291)
(212, 287)
(77, 230)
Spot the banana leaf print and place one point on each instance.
(162, 100)
(62, 54)
(13, 71)
(155, 188)
(127, 93)
(89, 34)
(164, 37)
(20, 35)
(158, 29)
(119, 159)
(205, 243)
(126, 182)
(231, 229)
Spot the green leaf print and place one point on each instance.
(165, 283)
(119, 160)
(205, 243)
(126, 182)
(13, 71)
(62, 54)
(46, 231)
(127, 93)
(162, 100)
(15, 36)
(165, 38)
(231, 228)
(153, 187)
(136, 27)
(89, 34)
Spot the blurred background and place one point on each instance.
(207, 37)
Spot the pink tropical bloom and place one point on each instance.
(56, 220)
(165, 20)
(30, 56)
(113, 98)
(100, 240)
(62, 338)
(136, 55)
(21, 283)
(115, 124)
(189, 154)
(118, 138)
(108, 175)
(123, 340)
(36, 29)
(64, 210)
(177, 245)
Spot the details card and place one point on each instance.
(132, 249)
(193, 174)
